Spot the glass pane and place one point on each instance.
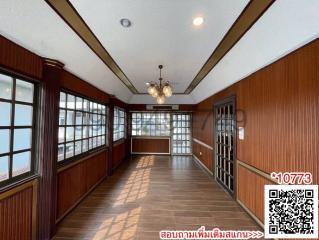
(86, 118)
(85, 145)
(79, 102)
(22, 139)
(85, 105)
(78, 133)
(70, 118)
(4, 168)
(61, 134)
(23, 115)
(21, 163)
(24, 91)
(71, 102)
(62, 100)
(78, 118)
(62, 117)
(5, 141)
(85, 132)
(60, 152)
(5, 114)
(5, 87)
(69, 147)
(69, 134)
(77, 147)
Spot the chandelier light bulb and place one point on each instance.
(167, 90)
(151, 89)
(155, 93)
(160, 91)
(160, 99)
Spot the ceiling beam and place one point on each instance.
(251, 13)
(69, 14)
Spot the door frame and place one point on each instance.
(231, 98)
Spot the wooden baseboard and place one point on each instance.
(201, 165)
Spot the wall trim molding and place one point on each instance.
(256, 171)
(76, 162)
(203, 144)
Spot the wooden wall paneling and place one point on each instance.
(151, 145)
(71, 186)
(18, 212)
(251, 191)
(110, 139)
(75, 84)
(19, 60)
(119, 150)
(77, 180)
(277, 106)
(280, 103)
(119, 154)
(49, 111)
(205, 155)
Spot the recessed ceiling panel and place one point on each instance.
(162, 32)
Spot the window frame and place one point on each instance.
(118, 110)
(181, 136)
(88, 152)
(156, 124)
(13, 180)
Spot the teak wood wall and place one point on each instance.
(54, 191)
(151, 145)
(278, 108)
(75, 181)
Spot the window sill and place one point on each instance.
(119, 141)
(76, 160)
(18, 183)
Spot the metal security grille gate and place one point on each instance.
(224, 139)
(181, 134)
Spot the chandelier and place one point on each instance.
(160, 91)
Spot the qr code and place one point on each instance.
(291, 211)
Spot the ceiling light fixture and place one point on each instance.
(125, 22)
(160, 91)
(198, 21)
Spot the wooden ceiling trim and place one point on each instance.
(69, 14)
(251, 13)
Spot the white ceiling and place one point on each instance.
(35, 26)
(162, 33)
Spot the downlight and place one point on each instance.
(125, 22)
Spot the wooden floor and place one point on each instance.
(152, 193)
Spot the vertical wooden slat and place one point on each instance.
(19, 59)
(279, 106)
(16, 213)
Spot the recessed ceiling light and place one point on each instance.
(125, 22)
(198, 21)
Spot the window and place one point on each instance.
(17, 99)
(82, 126)
(151, 124)
(181, 133)
(118, 124)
